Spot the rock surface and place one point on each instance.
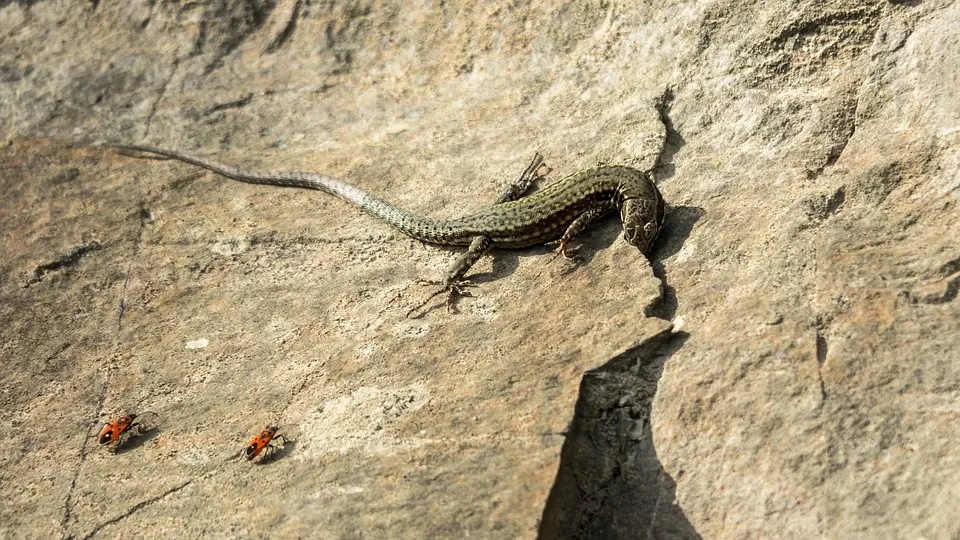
(788, 365)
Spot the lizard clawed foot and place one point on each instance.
(542, 171)
(563, 248)
(454, 289)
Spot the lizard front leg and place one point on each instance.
(577, 226)
(453, 283)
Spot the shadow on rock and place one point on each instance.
(139, 440)
(278, 454)
(676, 228)
(610, 483)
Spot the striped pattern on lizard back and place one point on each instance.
(532, 220)
(558, 212)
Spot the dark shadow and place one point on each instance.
(599, 236)
(588, 244)
(610, 483)
(137, 440)
(278, 453)
(665, 167)
(678, 221)
(677, 226)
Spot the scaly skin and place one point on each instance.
(556, 213)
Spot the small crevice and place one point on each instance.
(821, 351)
(673, 142)
(821, 207)
(145, 217)
(190, 178)
(287, 31)
(136, 508)
(146, 20)
(66, 176)
(217, 61)
(201, 41)
(849, 127)
(821, 358)
(236, 104)
(836, 201)
(847, 122)
(837, 151)
(949, 269)
(67, 260)
(163, 92)
(948, 294)
(68, 502)
(240, 27)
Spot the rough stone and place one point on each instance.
(786, 365)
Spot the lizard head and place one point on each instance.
(642, 219)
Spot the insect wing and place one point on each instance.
(261, 441)
(107, 434)
(253, 448)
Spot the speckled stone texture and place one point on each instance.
(787, 364)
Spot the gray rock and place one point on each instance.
(786, 366)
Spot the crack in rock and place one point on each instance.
(62, 262)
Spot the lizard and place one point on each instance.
(555, 214)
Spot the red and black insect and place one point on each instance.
(262, 442)
(129, 425)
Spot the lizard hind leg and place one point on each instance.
(536, 170)
(453, 283)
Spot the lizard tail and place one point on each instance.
(406, 222)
